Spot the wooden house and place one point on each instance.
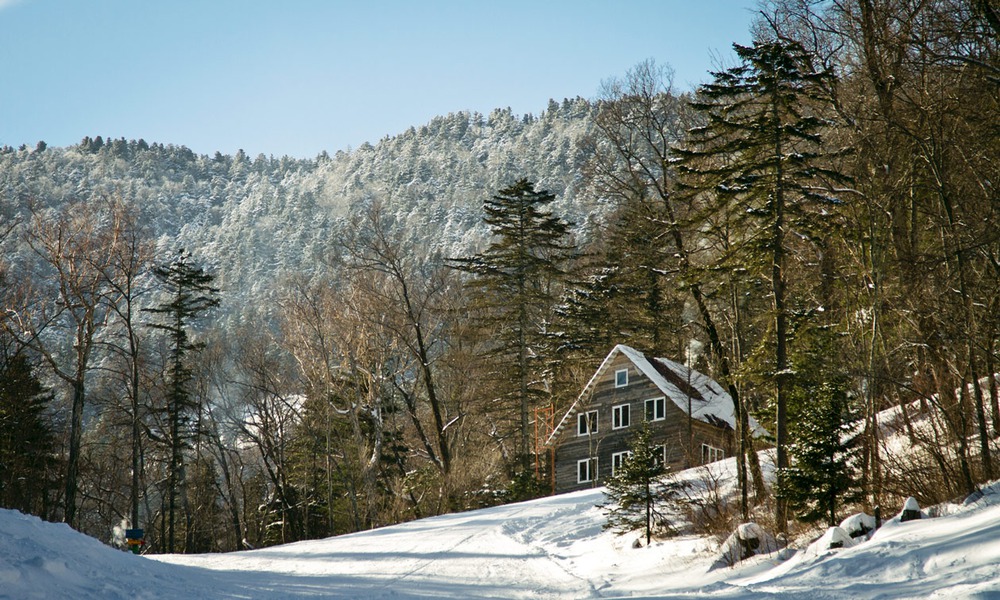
(691, 416)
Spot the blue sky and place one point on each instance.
(298, 77)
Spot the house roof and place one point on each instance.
(709, 401)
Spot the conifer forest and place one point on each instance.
(233, 351)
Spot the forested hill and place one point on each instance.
(815, 228)
(254, 221)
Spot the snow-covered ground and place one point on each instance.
(549, 548)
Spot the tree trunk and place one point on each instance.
(994, 394)
(780, 320)
(73, 460)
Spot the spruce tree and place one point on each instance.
(515, 281)
(623, 294)
(189, 295)
(27, 442)
(821, 477)
(759, 164)
(637, 491)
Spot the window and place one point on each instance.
(620, 416)
(586, 470)
(660, 454)
(586, 423)
(711, 454)
(656, 409)
(621, 378)
(618, 460)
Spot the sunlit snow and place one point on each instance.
(549, 548)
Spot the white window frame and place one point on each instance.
(621, 378)
(617, 413)
(711, 454)
(661, 403)
(586, 470)
(662, 450)
(586, 424)
(618, 459)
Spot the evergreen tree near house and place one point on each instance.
(189, 294)
(759, 166)
(655, 244)
(638, 120)
(821, 477)
(621, 293)
(637, 491)
(823, 468)
(515, 282)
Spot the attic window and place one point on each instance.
(586, 423)
(621, 378)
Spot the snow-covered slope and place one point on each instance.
(550, 548)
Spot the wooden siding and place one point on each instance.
(672, 431)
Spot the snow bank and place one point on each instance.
(50, 560)
(549, 548)
(834, 538)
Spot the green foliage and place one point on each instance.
(822, 475)
(515, 281)
(638, 491)
(189, 295)
(27, 442)
(524, 486)
(624, 294)
(761, 170)
(529, 245)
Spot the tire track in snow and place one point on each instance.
(519, 530)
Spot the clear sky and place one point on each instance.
(298, 77)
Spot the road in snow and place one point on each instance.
(549, 548)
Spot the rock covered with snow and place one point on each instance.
(748, 540)
(911, 510)
(833, 539)
(858, 525)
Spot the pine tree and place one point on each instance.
(27, 442)
(514, 281)
(822, 475)
(760, 163)
(637, 491)
(190, 294)
(656, 243)
(624, 294)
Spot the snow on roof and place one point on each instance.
(709, 401)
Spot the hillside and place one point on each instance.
(548, 548)
(821, 240)
(259, 220)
